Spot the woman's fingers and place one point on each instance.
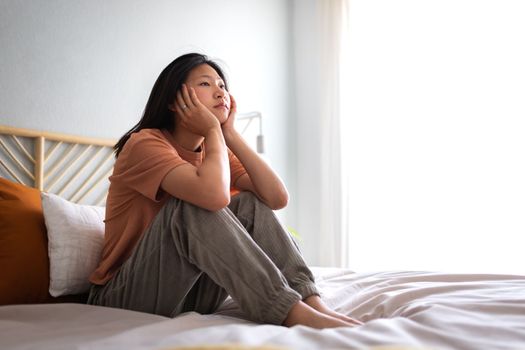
(192, 114)
(180, 103)
(194, 99)
(180, 113)
(233, 107)
(233, 104)
(188, 101)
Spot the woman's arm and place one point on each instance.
(260, 178)
(207, 186)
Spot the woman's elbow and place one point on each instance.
(218, 202)
(279, 201)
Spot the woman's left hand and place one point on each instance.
(259, 178)
(228, 125)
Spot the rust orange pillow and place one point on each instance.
(24, 272)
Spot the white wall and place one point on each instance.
(87, 67)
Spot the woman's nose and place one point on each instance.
(219, 93)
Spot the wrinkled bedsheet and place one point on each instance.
(414, 309)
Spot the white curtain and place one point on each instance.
(433, 155)
(332, 22)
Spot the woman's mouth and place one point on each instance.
(221, 105)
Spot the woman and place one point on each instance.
(176, 239)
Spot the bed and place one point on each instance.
(42, 309)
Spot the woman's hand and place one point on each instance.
(260, 178)
(228, 125)
(193, 115)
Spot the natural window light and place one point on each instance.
(433, 133)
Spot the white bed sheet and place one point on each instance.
(410, 308)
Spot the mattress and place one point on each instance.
(409, 309)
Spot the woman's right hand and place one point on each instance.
(208, 185)
(193, 115)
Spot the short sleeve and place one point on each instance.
(148, 157)
(236, 168)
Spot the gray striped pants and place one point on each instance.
(190, 259)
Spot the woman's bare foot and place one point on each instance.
(317, 303)
(303, 314)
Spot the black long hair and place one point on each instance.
(157, 115)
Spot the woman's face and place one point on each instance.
(210, 90)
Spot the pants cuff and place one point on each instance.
(308, 289)
(280, 306)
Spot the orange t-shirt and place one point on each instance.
(135, 196)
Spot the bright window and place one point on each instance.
(434, 135)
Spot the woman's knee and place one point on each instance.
(245, 200)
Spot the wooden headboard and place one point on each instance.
(74, 167)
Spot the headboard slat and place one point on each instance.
(56, 166)
(23, 149)
(88, 162)
(15, 159)
(97, 182)
(70, 166)
(11, 172)
(39, 162)
(77, 197)
(52, 150)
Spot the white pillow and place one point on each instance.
(75, 237)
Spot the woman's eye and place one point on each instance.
(204, 83)
(222, 86)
